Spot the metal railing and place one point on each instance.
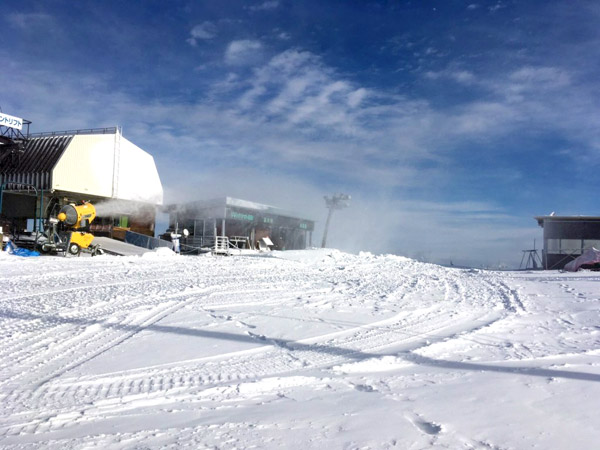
(239, 242)
(108, 130)
(221, 245)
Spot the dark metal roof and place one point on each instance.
(542, 219)
(35, 165)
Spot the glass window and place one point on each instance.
(570, 246)
(589, 243)
(553, 246)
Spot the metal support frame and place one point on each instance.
(12, 142)
(15, 134)
(533, 260)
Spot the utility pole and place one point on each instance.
(336, 201)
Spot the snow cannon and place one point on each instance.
(73, 238)
(77, 216)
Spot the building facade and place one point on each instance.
(243, 222)
(567, 237)
(96, 165)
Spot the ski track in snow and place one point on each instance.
(54, 322)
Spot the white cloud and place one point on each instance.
(204, 31)
(31, 20)
(460, 76)
(480, 118)
(497, 6)
(356, 97)
(264, 6)
(243, 52)
(525, 100)
(540, 78)
(301, 116)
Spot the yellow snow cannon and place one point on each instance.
(76, 218)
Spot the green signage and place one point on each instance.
(241, 216)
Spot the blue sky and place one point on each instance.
(451, 123)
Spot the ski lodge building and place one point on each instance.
(243, 223)
(40, 172)
(567, 237)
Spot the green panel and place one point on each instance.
(241, 216)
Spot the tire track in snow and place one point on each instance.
(28, 334)
(280, 357)
(103, 337)
(78, 352)
(401, 333)
(86, 396)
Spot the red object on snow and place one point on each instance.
(589, 259)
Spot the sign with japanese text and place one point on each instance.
(10, 121)
(241, 216)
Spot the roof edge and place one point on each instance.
(109, 130)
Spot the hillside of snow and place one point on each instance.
(306, 350)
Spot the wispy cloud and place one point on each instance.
(243, 52)
(204, 31)
(525, 99)
(31, 20)
(296, 115)
(448, 113)
(497, 6)
(460, 76)
(265, 6)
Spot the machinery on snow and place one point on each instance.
(67, 231)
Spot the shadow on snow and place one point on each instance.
(319, 348)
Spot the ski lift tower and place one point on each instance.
(336, 201)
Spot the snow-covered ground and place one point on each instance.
(306, 350)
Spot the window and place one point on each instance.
(564, 246)
(589, 243)
(570, 246)
(553, 246)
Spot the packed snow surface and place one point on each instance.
(306, 350)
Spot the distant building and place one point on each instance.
(566, 238)
(243, 222)
(96, 165)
